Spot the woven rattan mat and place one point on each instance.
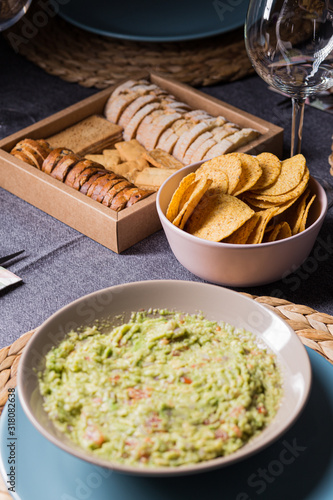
(76, 55)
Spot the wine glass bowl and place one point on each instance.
(11, 11)
(290, 44)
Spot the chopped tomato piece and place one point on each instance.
(94, 435)
(186, 380)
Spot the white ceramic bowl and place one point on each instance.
(239, 265)
(216, 303)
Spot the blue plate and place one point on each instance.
(159, 21)
(299, 466)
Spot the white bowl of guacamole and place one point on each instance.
(163, 377)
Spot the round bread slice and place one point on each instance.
(132, 126)
(53, 158)
(82, 178)
(199, 154)
(157, 127)
(170, 103)
(221, 148)
(33, 158)
(196, 145)
(23, 157)
(45, 145)
(138, 195)
(197, 115)
(188, 137)
(96, 187)
(114, 109)
(107, 200)
(86, 185)
(35, 150)
(168, 143)
(127, 197)
(134, 107)
(120, 200)
(89, 164)
(126, 87)
(76, 171)
(220, 133)
(64, 165)
(143, 130)
(107, 186)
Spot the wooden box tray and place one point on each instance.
(115, 230)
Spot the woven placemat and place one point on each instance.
(92, 60)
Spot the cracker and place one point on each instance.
(152, 178)
(129, 150)
(130, 169)
(86, 135)
(160, 159)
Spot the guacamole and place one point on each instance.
(164, 389)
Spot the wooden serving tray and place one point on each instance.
(115, 230)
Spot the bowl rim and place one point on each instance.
(220, 244)
(204, 466)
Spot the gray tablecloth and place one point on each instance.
(60, 264)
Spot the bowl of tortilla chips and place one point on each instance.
(239, 220)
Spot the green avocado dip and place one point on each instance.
(164, 389)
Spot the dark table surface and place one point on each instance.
(60, 264)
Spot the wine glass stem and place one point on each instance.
(297, 125)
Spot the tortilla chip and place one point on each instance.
(264, 217)
(217, 216)
(251, 173)
(230, 165)
(219, 179)
(201, 187)
(271, 168)
(161, 159)
(279, 199)
(279, 232)
(241, 235)
(306, 213)
(173, 208)
(291, 175)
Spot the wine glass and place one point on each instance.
(290, 44)
(11, 11)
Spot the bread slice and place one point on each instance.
(64, 165)
(52, 159)
(157, 127)
(195, 146)
(200, 153)
(132, 126)
(87, 135)
(134, 107)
